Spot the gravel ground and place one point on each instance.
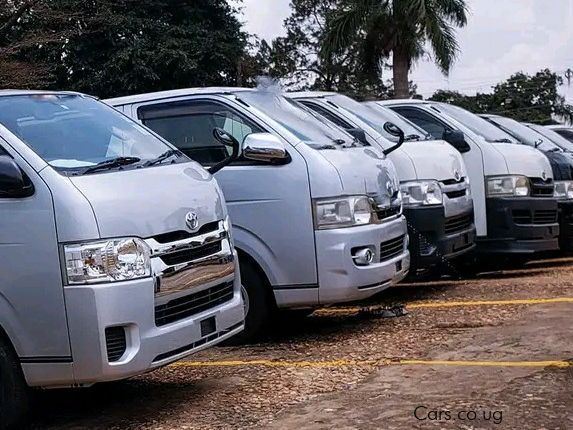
(246, 395)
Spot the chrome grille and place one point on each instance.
(541, 188)
(389, 212)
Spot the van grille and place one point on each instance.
(388, 212)
(192, 304)
(527, 217)
(115, 342)
(175, 236)
(456, 194)
(453, 181)
(541, 188)
(186, 255)
(458, 223)
(391, 248)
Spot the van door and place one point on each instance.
(269, 205)
(473, 159)
(32, 310)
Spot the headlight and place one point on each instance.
(421, 193)
(107, 261)
(500, 186)
(343, 212)
(564, 189)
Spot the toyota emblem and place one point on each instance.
(544, 175)
(390, 188)
(192, 221)
(457, 176)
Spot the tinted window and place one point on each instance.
(523, 133)
(423, 119)
(189, 126)
(327, 114)
(567, 134)
(72, 133)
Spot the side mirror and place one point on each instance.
(13, 182)
(266, 148)
(229, 141)
(538, 143)
(395, 131)
(457, 139)
(359, 134)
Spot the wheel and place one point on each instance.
(258, 305)
(14, 396)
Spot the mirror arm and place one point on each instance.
(222, 164)
(401, 140)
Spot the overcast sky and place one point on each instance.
(502, 37)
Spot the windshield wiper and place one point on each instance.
(111, 164)
(165, 156)
(504, 140)
(412, 137)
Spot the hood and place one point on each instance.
(561, 165)
(364, 170)
(523, 160)
(435, 160)
(151, 201)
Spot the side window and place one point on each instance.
(3, 151)
(327, 114)
(189, 126)
(424, 120)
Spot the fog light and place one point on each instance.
(363, 256)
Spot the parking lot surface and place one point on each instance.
(491, 352)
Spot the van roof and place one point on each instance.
(139, 98)
(6, 93)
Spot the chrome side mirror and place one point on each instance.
(266, 148)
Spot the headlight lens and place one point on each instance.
(564, 189)
(343, 212)
(508, 186)
(421, 193)
(107, 261)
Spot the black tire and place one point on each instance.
(14, 393)
(259, 305)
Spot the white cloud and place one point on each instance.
(502, 37)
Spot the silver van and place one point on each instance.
(317, 216)
(104, 274)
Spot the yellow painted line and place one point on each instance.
(381, 362)
(455, 304)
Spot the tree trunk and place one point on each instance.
(401, 67)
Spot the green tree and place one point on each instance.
(297, 60)
(402, 28)
(116, 47)
(530, 98)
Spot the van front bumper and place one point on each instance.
(566, 225)
(520, 226)
(435, 239)
(131, 305)
(341, 279)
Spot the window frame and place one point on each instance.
(241, 161)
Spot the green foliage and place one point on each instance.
(378, 28)
(529, 98)
(115, 47)
(296, 57)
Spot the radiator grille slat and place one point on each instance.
(458, 223)
(391, 248)
(193, 304)
(116, 343)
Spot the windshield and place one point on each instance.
(478, 125)
(554, 137)
(409, 128)
(73, 133)
(525, 134)
(300, 122)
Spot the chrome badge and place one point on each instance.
(457, 175)
(544, 175)
(192, 221)
(391, 188)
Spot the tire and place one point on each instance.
(14, 393)
(259, 305)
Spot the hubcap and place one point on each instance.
(246, 303)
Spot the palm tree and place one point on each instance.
(400, 27)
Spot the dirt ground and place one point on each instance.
(491, 352)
